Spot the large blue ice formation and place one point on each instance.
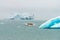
(53, 23)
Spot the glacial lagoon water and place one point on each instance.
(16, 30)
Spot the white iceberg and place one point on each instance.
(22, 17)
(52, 23)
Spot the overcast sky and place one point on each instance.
(43, 9)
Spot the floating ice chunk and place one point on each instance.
(52, 23)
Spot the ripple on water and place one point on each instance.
(2, 23)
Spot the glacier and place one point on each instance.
(53, 23)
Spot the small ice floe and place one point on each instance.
(29, 24)
(53, 23)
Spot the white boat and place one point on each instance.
(29, 24)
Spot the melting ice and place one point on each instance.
(52, 23)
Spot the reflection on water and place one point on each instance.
(16, 30)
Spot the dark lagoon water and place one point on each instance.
(16, 30)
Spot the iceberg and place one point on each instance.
(51, 24)
(22, 17)
(56, 26)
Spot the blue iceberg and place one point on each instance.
(53, 23)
